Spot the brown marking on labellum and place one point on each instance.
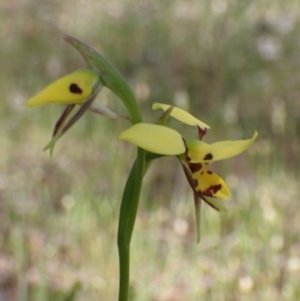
(201, 133)
(212, 190)
(195, 167)
(75, 89)
(208, 156)
(202, 172)
(209, 172)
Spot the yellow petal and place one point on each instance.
(181, 115)
(154, 138)
(71, 89)
(201, 152)
(210, 184)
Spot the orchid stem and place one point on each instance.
(128, 211)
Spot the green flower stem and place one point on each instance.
(129, 206)
(197, 203)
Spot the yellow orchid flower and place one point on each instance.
(162, 140)
(80, 87)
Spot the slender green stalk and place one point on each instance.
(129, 206)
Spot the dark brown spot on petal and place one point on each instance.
(195, 167)
(202, 172)
(75, 89)
(201, 133)
(208, 156)
(212, 190)
(209, 172)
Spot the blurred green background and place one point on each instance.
(235, 65)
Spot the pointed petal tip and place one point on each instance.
(67, 37)
(181, 115)
(33, 102)
(216, 204)
(201, 152)
(210, 184)
(50, 148)
(73, 88)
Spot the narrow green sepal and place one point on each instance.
(165, 116)
(51, 145)
(71, 295)
(216, 204)
(197, 203)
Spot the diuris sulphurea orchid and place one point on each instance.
(165, 141)
(194, 155)
(81, 88)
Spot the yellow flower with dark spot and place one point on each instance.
(193, 154)
(73, 88)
